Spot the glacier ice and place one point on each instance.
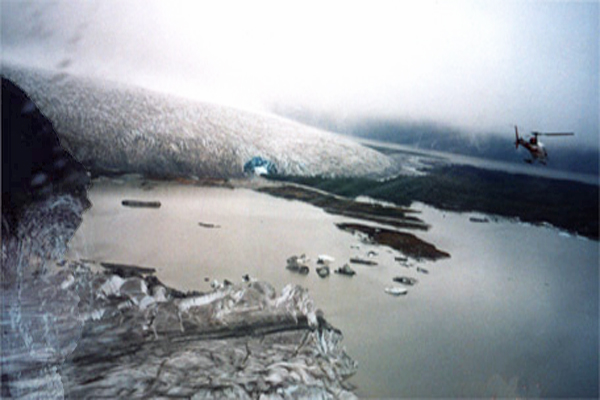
(120, 128)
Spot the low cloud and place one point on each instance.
(480, 66)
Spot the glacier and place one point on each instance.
(114, 127)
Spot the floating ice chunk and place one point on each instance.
(345, 270)
(323, 271)
(325, 259)
(396, 291)
(298, 264)
(405, 280)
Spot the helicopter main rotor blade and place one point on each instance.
(553, 133)
(558, 134)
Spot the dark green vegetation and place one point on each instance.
(569, 205)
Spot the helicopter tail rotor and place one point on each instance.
(516, 137)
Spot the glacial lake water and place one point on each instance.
(513, 312)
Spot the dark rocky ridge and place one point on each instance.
(43, 186)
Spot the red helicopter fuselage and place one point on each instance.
(534, 146)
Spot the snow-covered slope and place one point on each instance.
(109, 126)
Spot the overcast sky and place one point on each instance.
(480, 65)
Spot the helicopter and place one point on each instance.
(534, 146)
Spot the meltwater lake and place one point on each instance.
(513, 312)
